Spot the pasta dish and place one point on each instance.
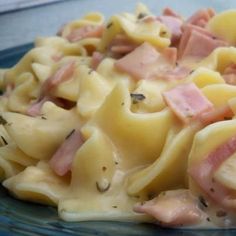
(132, 119)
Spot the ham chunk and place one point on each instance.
(192, 37)
(61, 161)
(229, 74)
(147, 63)
(217, 114)
(187, 101)
(202, 174)
(140, 62)
(97, 57)
(173, 208)
(121, 45)
(201, 17)
(174, 24)
(169, 12)
(87, 31)
(35, 108)
(62, 74)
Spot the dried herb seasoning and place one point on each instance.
(137, 97)
(72, 131)
(2, 121)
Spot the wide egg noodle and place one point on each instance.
(202, 77)
(152, 32)
(61, 46)
(205, 142)
(34, 134)
(97, 191)
(38, 184)
(152, 90)
(93, 18)
(13, 161)
(95, 85)
(226, 91)
(169, 169)
(219, 59)
(138, 137)
(220, 24)
(26, 90)
(93, 89)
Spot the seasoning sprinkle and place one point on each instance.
(109, 25)
(114, 206)
(116, 163)
(137, 97)
(208, 219)
(104, 168)
(150, 196)
(4, 140)
(141, 15)
(202, 201)
(221, 213)
(90, 71)
(122, 104)
(2, 121)
(43, 118)
(163, 33)
(72, 131)
(212, 190)
(191, 72)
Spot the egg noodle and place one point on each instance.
(87, 132)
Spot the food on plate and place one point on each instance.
(131, 119)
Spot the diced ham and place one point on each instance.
(169, 12)
(187, 101)
(57, 57)
(139, 63)
(173, 208)
(121, 45)
(202, 174)
(87, 31)
(97, 57)
(178, 73)
(192, 37)
(35, 108)
(201, 17)
(61, 161)
(230, 78)
(62, 74)
(217, 114)
(170, 54)
(146, 63)
(174, 24)
(230, 69)
(229, 74)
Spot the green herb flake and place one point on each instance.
(141, 15)
(4, 140)
(2, 121)
(72, 131)
(137, 97)
(109, 25)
